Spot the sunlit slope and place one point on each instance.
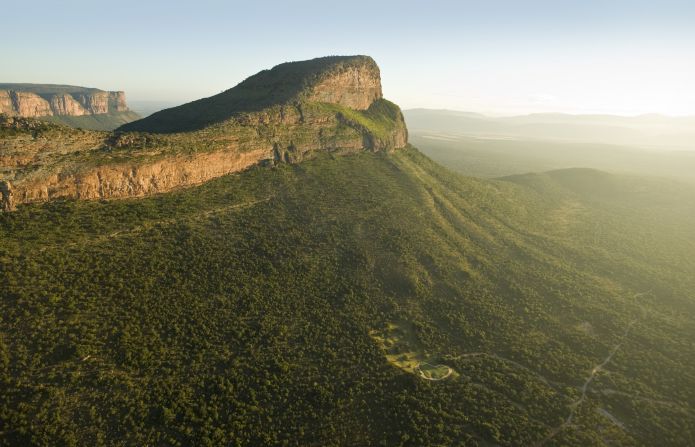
(618, 221)
(356, 300)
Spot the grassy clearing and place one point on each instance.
(381, 119)
(403, 350)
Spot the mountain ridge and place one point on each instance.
(330, 104)
(351, 81)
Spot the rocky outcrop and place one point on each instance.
(117, 102)
(135, 179)
(29, 105)
(338, 108)
(6, 199)
(65, 104)
(99, 102)
(354, 86)
(40, 101)
(6, 105)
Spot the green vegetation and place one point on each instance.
(42, 148)
(281, 85)
(380, 121)
(47, 89)
(400, 345)
(402, 348)
(482, 146)
(258, 309)
(105, 121)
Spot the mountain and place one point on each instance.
(85, 108)
(644, 131)
(339, 289)
(350, 81)
(369, 299)
(286, 114)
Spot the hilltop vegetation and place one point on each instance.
(47, 89)
(284, 84)
(256, 309)
(106, 121)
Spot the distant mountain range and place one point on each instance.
(649, 131)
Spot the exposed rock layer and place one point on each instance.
(341, 112)
(26, 103)
(133, 179)
(356, 87)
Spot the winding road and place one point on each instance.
(422, 374)
(595, 370)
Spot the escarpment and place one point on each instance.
(87, 108)
(283, 115)
(37, 100)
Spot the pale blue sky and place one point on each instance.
(494, 56)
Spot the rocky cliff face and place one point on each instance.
(65, 105)
(40, 101)
(340, 110)
(6, 199)
(117, 102)
(354, 86)
(28, 104)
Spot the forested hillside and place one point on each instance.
(370, 299)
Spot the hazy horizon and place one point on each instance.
(499, 58)
(512, 115)
(152, 105)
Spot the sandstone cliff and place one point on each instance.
(354, 86)
(37, 100)
(329, 104)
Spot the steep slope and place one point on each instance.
(336, 106)
(350, 81)
(317, 304)
(85, 108)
